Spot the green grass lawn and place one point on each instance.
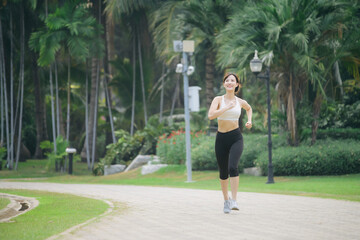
(345, 187)
(55, 213)
(4, 202)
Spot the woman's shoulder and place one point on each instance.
(217, 98)
(240, 100)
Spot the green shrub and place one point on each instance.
(57, 158)
(327, 157)
(171, 148)
(335, 133)
(203, 155)
(2, 155)
(255, 144)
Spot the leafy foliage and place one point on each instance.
(55, 158)
(326, 157)
(2, 155)
(72, 27)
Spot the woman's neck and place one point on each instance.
(229, 95)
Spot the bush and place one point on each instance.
(171, 148)
(335, 133)
(203, 154)
(57, 158)
(327, 157)
(128, 147)
(255, 144)
(2, 155)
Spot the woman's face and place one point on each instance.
(230, 83)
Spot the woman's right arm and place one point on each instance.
(214, 110)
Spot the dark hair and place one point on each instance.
(236, 77)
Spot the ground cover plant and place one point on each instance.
(55, 213)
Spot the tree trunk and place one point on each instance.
(57, 101)
(316, 113)
(2, 77)
(106, 80)
(133, 89)
(142, 79)
(41, 134)
(87, 120)
(209, 77)
(94, 63)
(93, 148)
(6, 112)
(338, 78)
(68, 103)
(12, 129)
(291, 119)
(162, 94)
(22, 52)
(52, 111)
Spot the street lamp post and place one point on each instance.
(186, 47)
(255, 66)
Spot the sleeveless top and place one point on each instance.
(231, 114)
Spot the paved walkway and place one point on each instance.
(167, 213)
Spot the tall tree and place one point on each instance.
(289, 34)
(135, 14)
(199, 20)
(71, 28)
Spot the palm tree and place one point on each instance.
(72, 28)
(292, 35)
(199, 20)
(134, 13)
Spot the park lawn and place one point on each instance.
(34, 168)
(3, 202)
(56, 213)
(345, 187)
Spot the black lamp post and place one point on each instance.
(255, 66)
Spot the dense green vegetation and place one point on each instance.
(100, 76)
(55, 213)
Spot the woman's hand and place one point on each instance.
(248, 125)
(231, 105)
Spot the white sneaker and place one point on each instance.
(227, 208)
(233, 204)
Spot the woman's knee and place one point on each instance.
(234, 171)
(223, 174)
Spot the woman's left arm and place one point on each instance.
(248, 109)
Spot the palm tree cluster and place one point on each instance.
(109, 64)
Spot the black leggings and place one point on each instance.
(228, 149)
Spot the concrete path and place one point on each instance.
(167, 213)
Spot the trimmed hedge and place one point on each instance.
(326, 157)
(335, 133)
(203, 155)
(255, 144)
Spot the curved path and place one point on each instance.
(168, 213)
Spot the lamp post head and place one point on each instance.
(256, 64)
(179, 68)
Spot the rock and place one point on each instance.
(141, 160)
(254, 171)
(112, 169)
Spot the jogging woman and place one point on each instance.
(229, 141)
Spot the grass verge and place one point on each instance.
(344, 187)
(3, 202)
(55, 213)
